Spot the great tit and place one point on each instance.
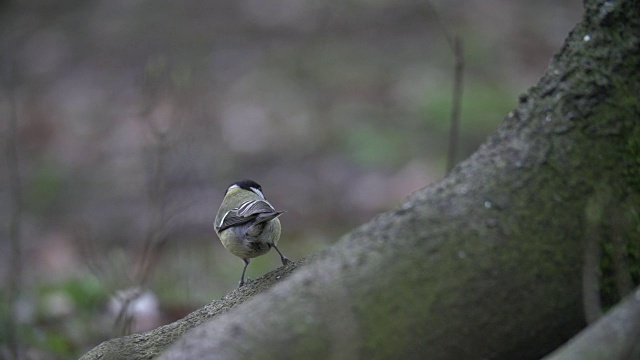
(247, 224)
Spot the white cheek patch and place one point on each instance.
(258, 192)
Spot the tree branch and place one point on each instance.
(151, 343)
(615, 336)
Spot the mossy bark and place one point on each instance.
(486, 263)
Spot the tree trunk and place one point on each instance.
(485, 264)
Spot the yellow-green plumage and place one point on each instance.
(247, 224)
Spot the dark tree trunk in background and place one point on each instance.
(485, 264)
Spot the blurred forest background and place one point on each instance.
(134, 116)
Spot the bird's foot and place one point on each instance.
(244, 282)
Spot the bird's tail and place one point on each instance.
(264, 217)
(260, 223)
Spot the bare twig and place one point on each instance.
(124, 320)
(456, 102)
(156, 236)
(457, 49)
(158, 198)
(153, 241)
(13, 173)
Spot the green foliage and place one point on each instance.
(50, 340)
(483, 107)
(65, 316)
(86, 293)
(370, 145)
(62, 317)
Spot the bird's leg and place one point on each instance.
(244, 270)
(283, 258)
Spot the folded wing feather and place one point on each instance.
(248, 211)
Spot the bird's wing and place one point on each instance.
(255, 208)
(245, 213)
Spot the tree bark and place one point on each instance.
(485, 264)
(615, 336)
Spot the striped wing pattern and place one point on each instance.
(245, 213)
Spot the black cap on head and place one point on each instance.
(247, 184)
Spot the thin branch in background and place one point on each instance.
(456, 102)
(93, 258)
(124, 320)
(160, 83)
(110, 279)
(15, 217)
(457, 49)
(155, 237)
(158, 198)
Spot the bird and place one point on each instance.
(247, 224)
